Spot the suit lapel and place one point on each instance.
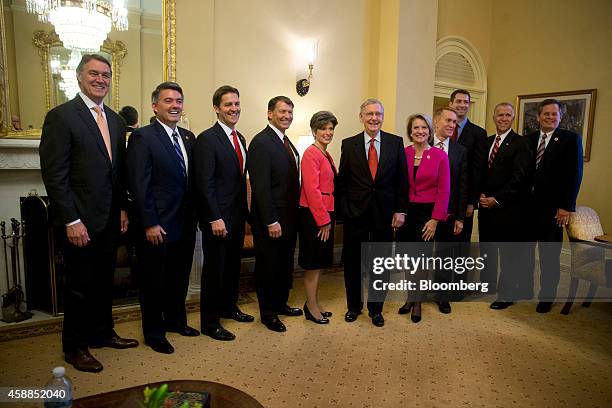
(165, 141)
(89, 120)
(112, 130)
(553, 144)
(410, 163)
(503, 147)
(225, 142)
(280, 145)
(361, 152)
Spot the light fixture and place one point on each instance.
(81, 25)
(302, 86)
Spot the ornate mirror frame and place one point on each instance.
(44, 40)
(169, 69)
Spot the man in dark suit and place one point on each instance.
(469, 136)
(273, 170)
(160, 175)
(130, 116)
(557, 181)
(444, 122)
(505, 169)
(372, 194)
(219, 160)
(82, 151)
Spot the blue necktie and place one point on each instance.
(179, 153)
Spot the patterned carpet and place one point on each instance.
(473, 357)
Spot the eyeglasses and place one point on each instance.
(95, 74)
(373, 114)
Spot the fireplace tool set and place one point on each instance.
(14, 307)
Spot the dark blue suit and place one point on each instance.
(556, 185)
(162, 196)
(221, 194)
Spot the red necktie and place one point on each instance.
(238, 151)
(494, 151)
(455, 133)
(372, 159)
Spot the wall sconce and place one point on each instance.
(302, 86)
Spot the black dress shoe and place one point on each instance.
(160, 345)
(115, 342)
(184, 331)
(377, 319)
(83, 361)
(444, 307)
(309, 316)
(290, 311)
(219, 333)
(351, 316)
(500, 305)
(274, 324)
(406, 308)
(544, 307)
(238, 316)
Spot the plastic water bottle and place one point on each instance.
(60, 389)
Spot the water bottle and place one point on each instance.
(59, 389)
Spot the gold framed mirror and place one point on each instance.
(138, 64)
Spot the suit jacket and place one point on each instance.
(220, 182)
(471, 137)
(510, 177)
(274, 182)
(432, 182)
(160, 192)
(317, 191)
(458, 200)
(557, 179)
(357, 192)
(81, 181)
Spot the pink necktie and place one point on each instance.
(103, 126)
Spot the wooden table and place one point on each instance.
(221, 396)
(604, 238)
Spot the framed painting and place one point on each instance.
(578, 117)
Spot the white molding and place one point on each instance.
(17, 154)
(460, 45)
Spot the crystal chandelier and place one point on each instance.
(67, 83)
(81, 24)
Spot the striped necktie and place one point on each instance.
(494, 151)
(179, 153)
(541, 149)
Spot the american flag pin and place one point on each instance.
(556, 139)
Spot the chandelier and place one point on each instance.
(66, 73)
(81, 24)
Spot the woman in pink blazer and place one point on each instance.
(429, 191)
(316, 212)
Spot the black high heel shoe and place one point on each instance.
(309, 316)
(406, 308)
(326, 314)
(414, 316)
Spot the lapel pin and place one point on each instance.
(428, 156)
(556, 139)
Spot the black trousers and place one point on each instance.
(88, 303)
(220, 275)
(550, 238)
(163, 281)
(507, 249)
(274, 261)
(355, 232)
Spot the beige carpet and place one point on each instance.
(473, 357)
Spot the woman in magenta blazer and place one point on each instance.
(429, 191)
(316, 212)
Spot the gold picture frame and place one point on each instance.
(169, 69)
(579, 116)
